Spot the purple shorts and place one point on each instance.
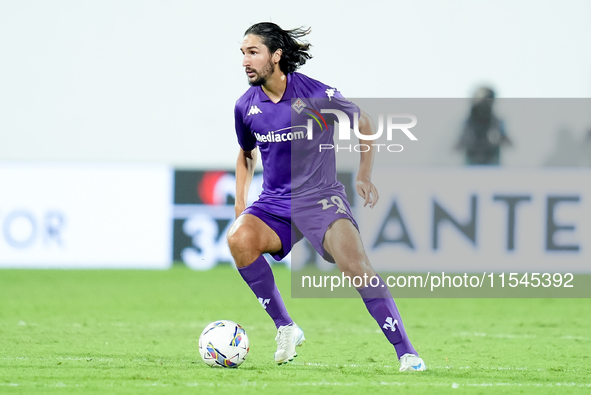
(298, 217)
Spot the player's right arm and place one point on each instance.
(245, 165)
(247, 156)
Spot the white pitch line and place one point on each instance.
(429, 365)
(336, 384)
(314, 364)
(518, 336)
(61, 358)
(498, 335)
(337, 365)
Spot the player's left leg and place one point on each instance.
(343, 242)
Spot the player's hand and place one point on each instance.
(367, 191)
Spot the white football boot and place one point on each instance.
(288, 338)
(410, 363)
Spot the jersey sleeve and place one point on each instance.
(338, 102)
(245, 138)
(330, 98)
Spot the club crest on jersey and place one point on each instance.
(299, 105)
(254, 110)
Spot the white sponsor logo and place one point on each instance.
(254, 110)
(277, 137)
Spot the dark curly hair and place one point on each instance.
(295, 52)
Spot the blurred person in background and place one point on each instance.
(586, 148)
(484, 133)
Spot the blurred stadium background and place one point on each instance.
(117, 142)
(136, 99)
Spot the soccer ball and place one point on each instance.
(223, 344)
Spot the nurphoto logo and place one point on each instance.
(392, 121)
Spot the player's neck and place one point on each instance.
(275, 86)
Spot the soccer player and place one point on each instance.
(301, 196)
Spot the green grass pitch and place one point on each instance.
(137, 332)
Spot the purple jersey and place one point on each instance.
(292, 164)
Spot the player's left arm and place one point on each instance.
(365, 188)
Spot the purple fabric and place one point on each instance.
(273, 127)
(303, 216)
(381, 306)
(259, 277)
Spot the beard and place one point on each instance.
(262, 77)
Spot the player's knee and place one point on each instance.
(356, 267)
(237, 237)
(352, 273)
(241, 238)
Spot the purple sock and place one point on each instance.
(259, 277)
(381, 306)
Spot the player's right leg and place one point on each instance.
(248, 238)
